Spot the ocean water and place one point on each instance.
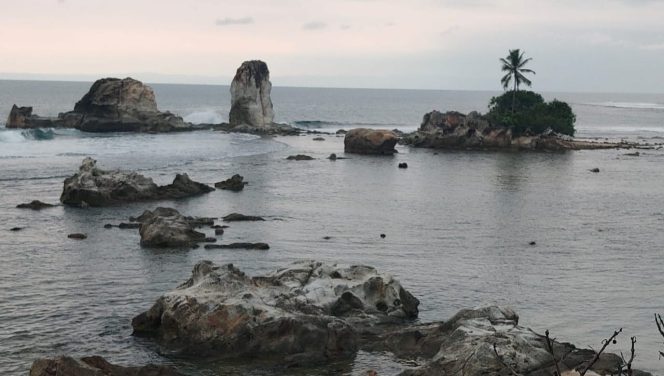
(458, 224)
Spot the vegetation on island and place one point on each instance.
(526, 111)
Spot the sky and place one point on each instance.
(589, 45)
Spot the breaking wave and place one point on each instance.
(204, 117)
(313, 124)
(628, 105)
(21, 135)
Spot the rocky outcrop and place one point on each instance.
(250, 96)
(370, 141)
(235, 183)
(258, 246)
(93, 366)
(237, 217)
(111, 105)
(35, 205)
(307, 312)
(454, 130)
(167, 228)
(299, 157)
(464, 345)
(92, 186)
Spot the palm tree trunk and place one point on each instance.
(514, 93)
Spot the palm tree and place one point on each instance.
(514, 64)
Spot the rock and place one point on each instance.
(341, 131)
(327, 237)
(307, 312)
(532, 243)
(382, 236)
(16, 229)
(464, 345)
(235, 183)
(635, 154)
(318, 139)
(167, 228)
(94, 366)
(125, 226)
(403, 165)
(77, 236)
(250, 96)
(122, 105)
(108, 225)
(332, 157)
(595, 170)
(370, 141)
(218, 231)
(235, 217)
(259, 246)
(35, 205)
(299, 157)
(92, 186)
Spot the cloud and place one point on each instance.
(233, 21)
(314, 25)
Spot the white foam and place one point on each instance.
(11, 136)
(204, 117)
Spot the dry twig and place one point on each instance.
(549, 346)
(627, 364)
(597, 354)
(660, 327)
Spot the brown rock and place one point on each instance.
(370, 141)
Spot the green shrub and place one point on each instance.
(531, 113)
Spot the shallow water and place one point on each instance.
(458, 228)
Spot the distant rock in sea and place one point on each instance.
(166, 228)
(94, 366)
(111, 105)
(370, 141)
(250, 96)
(92, 186)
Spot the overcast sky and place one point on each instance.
(589, 45)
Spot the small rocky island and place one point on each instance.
(111, 105)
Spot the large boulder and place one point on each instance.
(92, 186)
(250, 96)
(22, 117)
(94, 366)
(370, 141)
(166, 227)
(307, 312)
(486, 341)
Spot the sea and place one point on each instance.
(458, 225)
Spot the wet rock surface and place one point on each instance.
(237, 217)
(236, 183)
(167, 228)
(92, 186)
(370, 141)
(94, 366)
(307, 312)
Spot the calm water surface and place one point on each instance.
(458, 224)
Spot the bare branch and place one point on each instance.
(549, 346)
(597, 354)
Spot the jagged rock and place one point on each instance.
(92, 186)
(94, 366)
(166, 227)
(22, 117)
(299, 157)
(236, 183)
(464, 345)
(35, 205)
(307, 312)
(250, 96)
(370, 141)
(259, 246)
(235, 217)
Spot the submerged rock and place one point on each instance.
(250, 96)
(236, 217)
(35, 205)
(307, 312)
(258, 246)
(370, 141)
(92, 186)
(299, 157)
(94, 366)
(236, 183)
(166, 227)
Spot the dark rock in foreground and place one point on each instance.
(299, 157)
(92, 186)
(454, 130)
(236, 183)
(307, 312)
(94, 366)
(236, 217)
(111, 105)
(370, 141)
(258, 246)
(35, 205)
(166, 227)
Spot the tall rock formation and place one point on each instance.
(250, 96)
